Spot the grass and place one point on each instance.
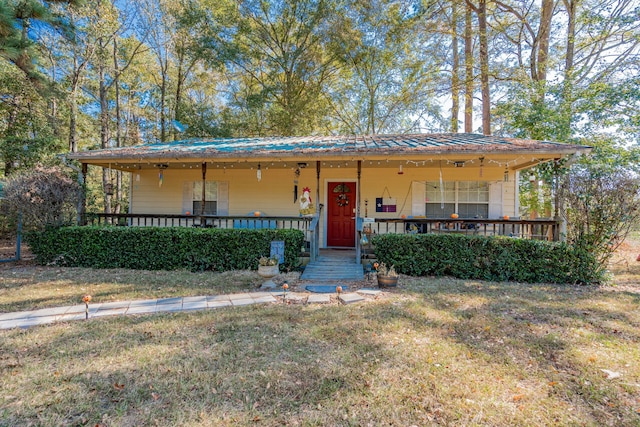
(435, 352)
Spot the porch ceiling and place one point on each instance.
(413, 150)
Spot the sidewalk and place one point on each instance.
(24, 319)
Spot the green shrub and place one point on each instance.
(161, 248)
(487, 258)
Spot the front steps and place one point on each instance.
(334, 266)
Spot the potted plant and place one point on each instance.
(387, 276)
(268, 266)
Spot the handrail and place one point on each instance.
(314, 244)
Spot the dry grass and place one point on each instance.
(435, 352)
(28, 287)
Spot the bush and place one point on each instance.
(45, 196)
(487, 258)
(600, 207)
(161, 248)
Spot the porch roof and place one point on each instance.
(328, 147)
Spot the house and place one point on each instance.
(394, 183)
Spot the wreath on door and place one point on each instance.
(343, 200)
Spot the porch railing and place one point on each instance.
(540, 229)
(206, 221)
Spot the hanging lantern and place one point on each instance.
(259, 173)
(108, 189)
(506, 174)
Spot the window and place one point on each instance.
(470, 199)
(211, 198)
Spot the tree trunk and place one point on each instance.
(73, 118)
(116, 83)
(484, 68)
(104, 134)
(468, 62)
(544, 34)
(455, 77)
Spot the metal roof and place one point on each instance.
(329, 146)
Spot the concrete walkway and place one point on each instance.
(24, 319)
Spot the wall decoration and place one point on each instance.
(386, 204)
(306, 204)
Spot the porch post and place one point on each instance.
(204, 192)
(318, 187)
(358, 249)
(82, 202)
(315, 232)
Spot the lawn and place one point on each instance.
(436, 351)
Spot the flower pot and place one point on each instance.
(267, 271)
(387, 281)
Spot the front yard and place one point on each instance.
(433, 352)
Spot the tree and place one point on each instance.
(385, 81)
(17, 44)
(275, 51)
(601, 204)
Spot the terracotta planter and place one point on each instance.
(267, 271)
(387, 281)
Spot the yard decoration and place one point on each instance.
(86, 299)
(285, 286)
(387, 276)
(506, 217)
(338, 290)
(268, 267)
(454, 215)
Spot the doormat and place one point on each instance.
(325, 289)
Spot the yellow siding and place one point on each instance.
(273, 195)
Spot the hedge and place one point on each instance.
(487, 258)
(161, 248)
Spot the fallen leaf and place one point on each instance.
(518, 397)
(118, 386)
(552, 383)
(155, 396)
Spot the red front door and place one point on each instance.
(341, 224)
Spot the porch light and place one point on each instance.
(108, 189)
(458, 164)
(302, 165)
(506, 174)
(259, 173)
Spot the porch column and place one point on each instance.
(204, 192)
(358, 249)
(82, 199)
(318, 187)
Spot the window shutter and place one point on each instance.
(223, 198)
(495, 200)
(187, 194)
(418, 193)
